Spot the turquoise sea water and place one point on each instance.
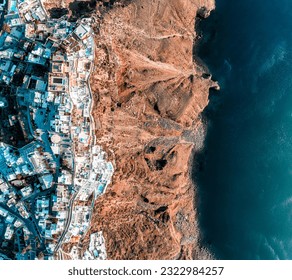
(245, 172)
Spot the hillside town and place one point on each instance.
(51, 168)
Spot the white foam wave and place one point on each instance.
(277, 56)
(271, 250)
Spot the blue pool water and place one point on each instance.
(244, 173)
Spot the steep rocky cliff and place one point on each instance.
(149, 94)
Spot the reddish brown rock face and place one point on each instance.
(149, 95)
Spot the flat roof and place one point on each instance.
(58, 80)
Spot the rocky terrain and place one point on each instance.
(149, 93)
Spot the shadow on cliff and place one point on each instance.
(83, 8)
(206, 35)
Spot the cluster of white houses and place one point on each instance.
(48, 186)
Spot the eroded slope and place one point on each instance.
(149, 94)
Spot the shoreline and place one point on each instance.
(197, 42)
(203, 68)
(196, 199)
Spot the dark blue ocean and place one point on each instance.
(244, 173)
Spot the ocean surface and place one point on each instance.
(244, 173)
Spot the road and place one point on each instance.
(60, 242)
